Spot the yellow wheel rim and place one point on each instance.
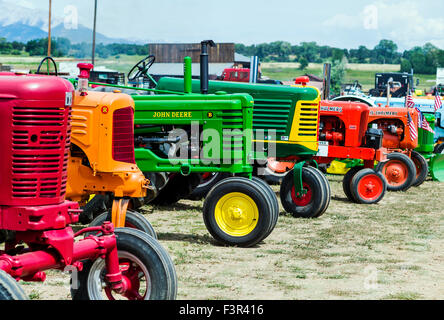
(236, 214)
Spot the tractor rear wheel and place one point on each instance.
(146, 267)
(178, 187)
(133, 220)
(209, 179)
(368, 186)
(237, 212)
(422, 168)
(310, 204)
(399, 171)
(10, 289)
(346, 182)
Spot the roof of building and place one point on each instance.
(240, 58)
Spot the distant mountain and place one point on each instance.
(21, 32)
(18, 23)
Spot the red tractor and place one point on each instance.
(35, 218)
(243, 75)
(344, 134)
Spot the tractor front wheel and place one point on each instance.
(238, 212)
(272, 199)
(10, 289)
(133, 220)
(346, 182)
(399, 171)
(146, 267)
(309, 205)
(368, 186)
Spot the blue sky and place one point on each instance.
(340, 23)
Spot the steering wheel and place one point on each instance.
(53, 62)
(141, 68)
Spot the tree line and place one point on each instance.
(62, 47)
(423, 59)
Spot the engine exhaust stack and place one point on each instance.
(204, 70)
(327, 81)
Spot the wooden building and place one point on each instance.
(176, 52)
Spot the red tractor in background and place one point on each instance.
(243, 75)
(405, 167)
(35, 218)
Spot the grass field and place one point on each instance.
(392, 250)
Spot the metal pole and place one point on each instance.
(94, 33)
(49, 29)
(326, 81)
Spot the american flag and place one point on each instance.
(420, 117)
(412, 127)
(409, 100)
(438, 102)
(425, 125)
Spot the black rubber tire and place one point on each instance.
(439, 148)
(204, 187)
(10, 289)
(422, 168)
(93, 208)
(318, 199)
(355, 183)
(327, 188)
(156, 260)
(256, 192)
(273, 200)
(408, 163)
(178, 187)
(346, 181)
(133, 219)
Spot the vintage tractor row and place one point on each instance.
(285, 127)
(35, 137)
(285, 119)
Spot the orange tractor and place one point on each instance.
(101, 159)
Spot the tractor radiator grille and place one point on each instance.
(40, 145)
(271, 115)
(232, 134)
(306, 116)
(123, 135)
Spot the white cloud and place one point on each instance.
(402, 21)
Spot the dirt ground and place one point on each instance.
(392, 250)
